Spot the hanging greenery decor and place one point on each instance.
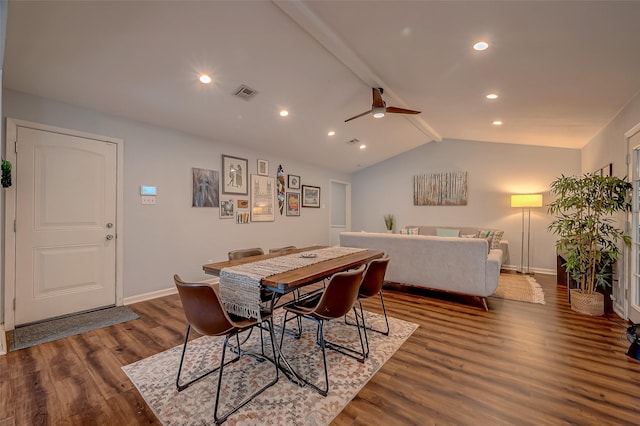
(6, 174)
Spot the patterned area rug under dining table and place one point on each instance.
(285, 403)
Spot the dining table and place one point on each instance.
(283, 283)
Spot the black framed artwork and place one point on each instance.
(310, 196)
(293, 181)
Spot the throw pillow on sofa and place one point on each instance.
(494, 234)
(445, 232)
(410, 231)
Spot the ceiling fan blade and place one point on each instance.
(394, 110)
(377, 98)
(359, 115)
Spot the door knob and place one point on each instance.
(109, 225)
(109, 237)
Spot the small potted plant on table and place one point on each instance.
(584, 209)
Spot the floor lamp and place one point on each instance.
(526, 201)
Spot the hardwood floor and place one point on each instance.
(518, 364)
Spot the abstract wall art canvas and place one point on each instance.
(205, 189)
(440, 189)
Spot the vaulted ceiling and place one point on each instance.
(561, 69)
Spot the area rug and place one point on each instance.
(522, 288)
(285, 403)
(59, 328)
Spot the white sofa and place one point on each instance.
(464, 230)
(453, 264)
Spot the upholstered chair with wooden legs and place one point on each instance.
(371, 286)
(206, 314)
(282, 250)
(338, 298)
(242, 253)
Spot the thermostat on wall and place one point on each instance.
(148, 190)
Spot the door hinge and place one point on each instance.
(14, 226)
(14, 303)
(15, 146)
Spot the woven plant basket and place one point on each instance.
(585, 303)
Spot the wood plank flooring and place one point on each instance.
(518, 364)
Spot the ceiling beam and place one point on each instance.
(318, 29)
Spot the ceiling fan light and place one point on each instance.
(378, 112)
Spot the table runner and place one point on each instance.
(240, 285)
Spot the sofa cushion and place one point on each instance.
(447, 232)
(494, 234)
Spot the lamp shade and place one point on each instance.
(526, 200)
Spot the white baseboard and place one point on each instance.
(161, 293)
(151, 295)
(535, 270)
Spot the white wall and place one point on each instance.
(171, 236)
(609, 145)
(495, 171)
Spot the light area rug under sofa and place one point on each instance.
(285, 403)
(522, 288)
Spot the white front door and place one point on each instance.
(65, 224)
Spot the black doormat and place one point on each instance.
(59, 328)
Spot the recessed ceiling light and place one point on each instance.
(205, 79)
(481, 45)
(492, 96)
(331, 133)
(497, 123)
(363, 146)
(284, 113)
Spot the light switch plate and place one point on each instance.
(148, 199)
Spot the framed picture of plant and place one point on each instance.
(234, 175)
(310, 196)
(293, 181)
(263, 167)
(293, 204)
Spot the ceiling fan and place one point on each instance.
(379, 107)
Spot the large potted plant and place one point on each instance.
(584, 208)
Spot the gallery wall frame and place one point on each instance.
(263, 167)
(310, 196)
(234, 175)
(263, 195)
(227, 209)
(293, 181)
(205, 188)
(293, 204)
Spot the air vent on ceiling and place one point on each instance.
(353, 141)
(245, 92)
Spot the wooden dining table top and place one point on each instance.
(287, 281)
